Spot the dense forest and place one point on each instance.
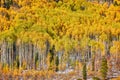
(50, 36)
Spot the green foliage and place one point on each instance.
(52, 52)
(96, 78)
(36, 59)
(84, 72)
(93, 64)
(104, 68)
(51, 59)
(16, 63)
(57, 63)
(79, 79)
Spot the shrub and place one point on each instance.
(96, 78)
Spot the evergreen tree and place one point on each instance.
(84, 72)
(57, 63)
(93, 64)
(52, 51)
(104, 68)
(51, 58)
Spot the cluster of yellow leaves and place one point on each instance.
(4, 20)
(116, 47)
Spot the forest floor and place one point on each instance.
(68, 74)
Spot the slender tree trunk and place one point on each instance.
(3, 55)
(34, 55)
(7, 53)
(30, 55)
(39, 59)
(20, 55)
(11, 56)
(27, 55)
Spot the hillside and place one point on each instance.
(51, 36)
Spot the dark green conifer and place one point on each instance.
(84, 72)
(104, 68)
